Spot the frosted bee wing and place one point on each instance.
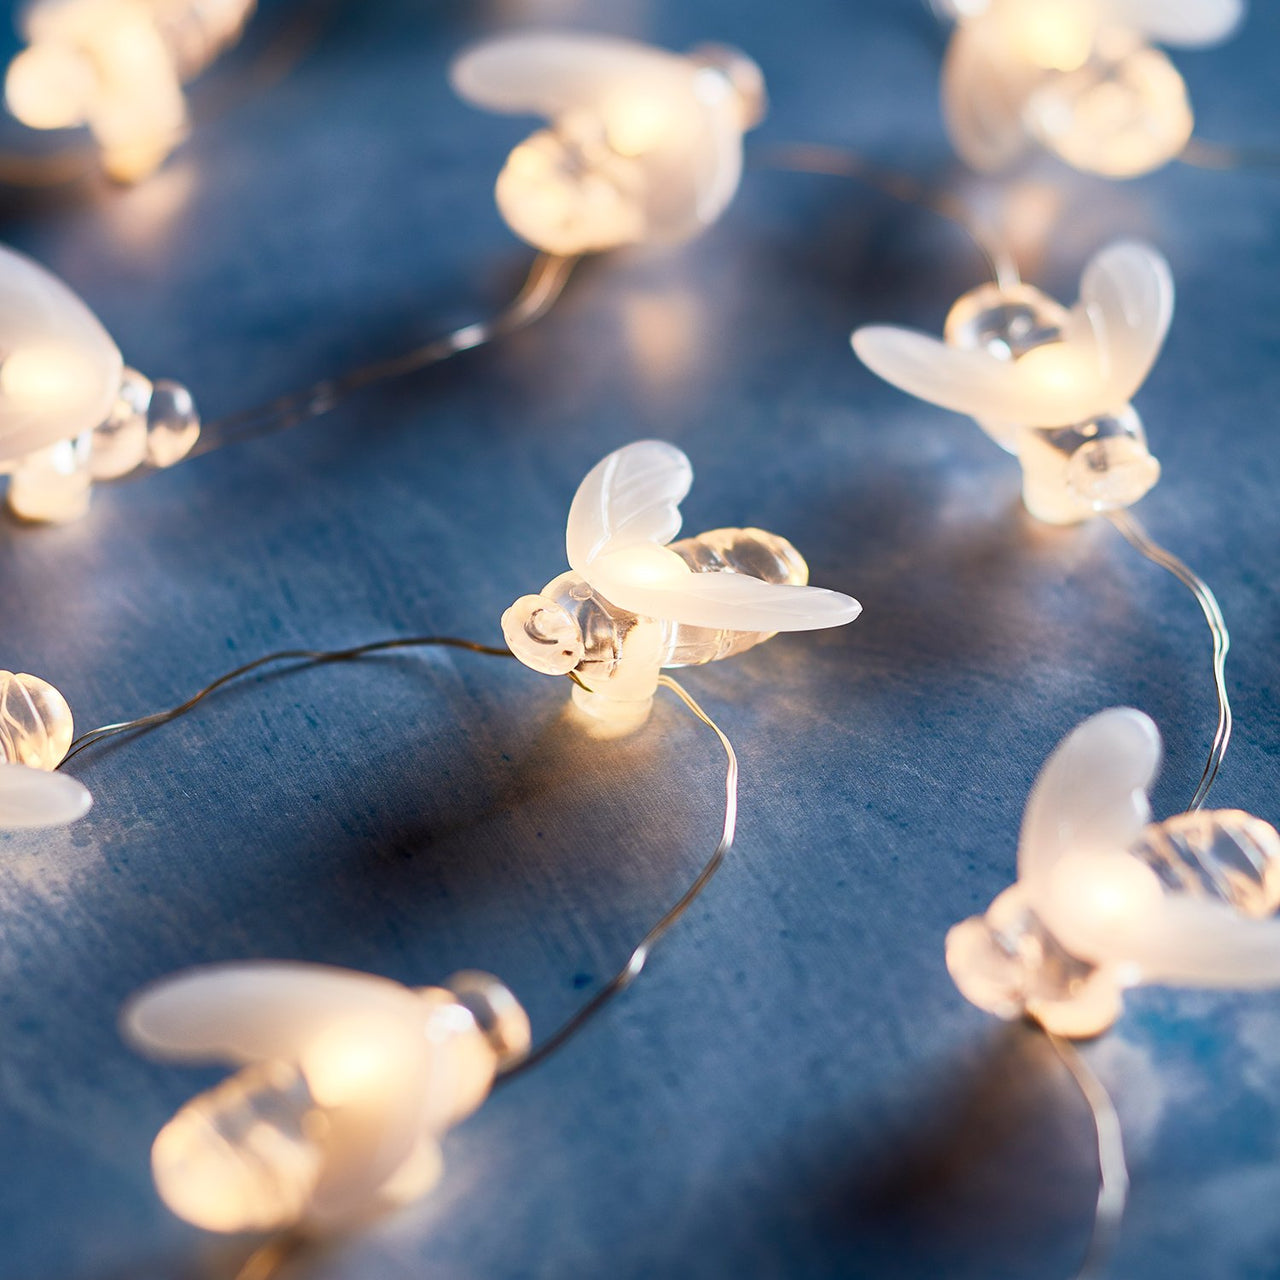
(727, 601)
(1091, 794)
(549, 73)
(968, 381)
(1126, 305)
(630, 498)
(33, 798)
(254, 1011)
(1180, 22)
(74, 384)
(1195, 942)
(983, 90)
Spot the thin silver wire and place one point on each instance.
(1113, 1170)
(268, 1260)
(304, 657)
(538, 294)
(1138, 537)
(640, 955)
(839, 162)
(1223, 156)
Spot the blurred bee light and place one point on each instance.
(118, 67)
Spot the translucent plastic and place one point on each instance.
(1106, 900)
(1049, 384)
(36, 730)
(118, 67)
(70, 411)
(632, 605)
(1077, 77)
(350, 1081)
(643, 145)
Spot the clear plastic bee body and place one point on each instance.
(642, 146)
(1049, 384)
(347, 1083)
(119, 66)
(632, 604)
(1080, 78)
(1105, 899)
(71, 412)
(36, 729)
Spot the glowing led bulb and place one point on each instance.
(643, 145)
(632, 605)
(36, 729)
(70, 411)
(349, 1082)
(1106, 900)
(1050, 385)
(118, 66)
(1077, 77)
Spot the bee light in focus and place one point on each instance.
(1049, 384)
(1078, 77)
(631, 605)
(70, 411)
(36, 729)
(643, 145)
(118, 66)
(1107, 900)
(347, 1082)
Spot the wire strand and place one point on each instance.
(1224, 157)
(640, 955)
(839, 162)
(304, 657)
(1113, 1170)
(1138, 538)
(268, 1260)
(541, 289)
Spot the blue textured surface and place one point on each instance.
(795, 1089)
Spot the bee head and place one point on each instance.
(543, 635)
(1005, 322)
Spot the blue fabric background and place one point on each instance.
(795, 1089)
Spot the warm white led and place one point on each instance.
(642, 145)
(347, 1083)
(1048, 384)
(632, 605)
(1078, 77)
(118, 66)
(36, 729)
(1105, 899)
(70, 411)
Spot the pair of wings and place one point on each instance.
(1091, 796)
(631, 500)
(1115, 332)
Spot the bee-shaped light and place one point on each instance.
(1049, 384)
(632, 605)
(1105, 901)
(1078, 77)
(70, 411)
(118, 66)
(36, 729)
(347, 1083)
(643, 145)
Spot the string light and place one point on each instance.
(1106, 900)
(71, 412)
(631, 605)
(643, 145)
(118, 66)
(1077, 77)
(36, 729)
(1051, 385)
(347, 1084)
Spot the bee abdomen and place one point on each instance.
(35, 722)
(244, 1156)
(1224, 854)
(752, 552)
